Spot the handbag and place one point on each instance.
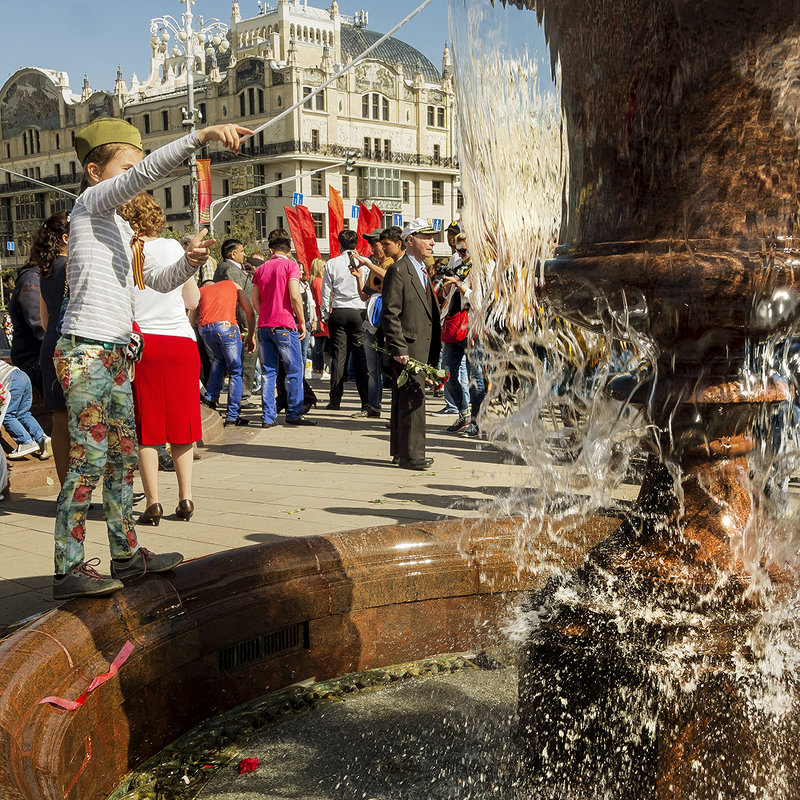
(454, 327)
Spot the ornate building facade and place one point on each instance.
(395, 109)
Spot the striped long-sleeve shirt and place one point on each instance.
(101, 288)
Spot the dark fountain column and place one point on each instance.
(644, 678)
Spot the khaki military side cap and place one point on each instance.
(106, 130)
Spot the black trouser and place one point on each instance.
(407, 423)
(347, 338)
(248, 370)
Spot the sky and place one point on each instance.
(94, 36)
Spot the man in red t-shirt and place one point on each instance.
(281, 326)
(216, 323)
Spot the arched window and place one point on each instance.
(251, 102)
(375, 106)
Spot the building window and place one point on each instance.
(379, 183)
(279, 187)
(262, 223)
(306, 93)
(437, 193)
(259, 175)
(440, 117)
(167, 198)
(406, 192)
(316, 184)
(73, 138)
(251, 102)
(319, 225)
(147, 123)
(58, 171)
(5, 209)
(315, 139)
(316, 103)
(165, 120)
(346, 187)
(367, 147)
(437, 154)
(435, 116)
(387, 149)
(226, 187)
(73, 168)
(29, 207)
(375, 106)
(202, 112)
(279, 222)
(8, 150)
(187, 196)
(431, 115)
(377, 145)
(459, 199)
(58, 141)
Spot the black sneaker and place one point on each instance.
(362, 413)
(209, 403)
(460, 423)
(239, 422)
(143, 562)
(84, 581)
(300, 421)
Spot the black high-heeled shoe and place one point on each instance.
(185, 510)
(151, 515)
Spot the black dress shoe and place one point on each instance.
(332, 407)
(415, 463)
(267, 424)
(300, 421)
(185, 510)
(239, 422)
(209, 403)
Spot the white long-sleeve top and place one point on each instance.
(99, 274)
(339, 287)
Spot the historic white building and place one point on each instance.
(396, 109)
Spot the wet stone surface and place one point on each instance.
(441, 728)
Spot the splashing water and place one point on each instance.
(548, 405)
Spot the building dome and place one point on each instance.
(355, 41)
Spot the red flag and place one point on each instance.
(335, 220)
(309, 235)
(297, 233)
(377, 217)
(364, 226)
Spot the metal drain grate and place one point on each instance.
(294, 637)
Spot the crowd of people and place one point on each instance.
(124, 333)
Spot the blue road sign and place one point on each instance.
(397, 219)
(354, 212)
(438, 224)
(10, 247)
(297, 199)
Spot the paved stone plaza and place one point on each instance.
(256, 485)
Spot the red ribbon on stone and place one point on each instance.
(72, 705)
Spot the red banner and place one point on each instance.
(335, 220)
(309, 235)
(364, 226)
(204, 190)
(377, 217)
(297, 233)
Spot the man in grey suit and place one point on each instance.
(410, 323)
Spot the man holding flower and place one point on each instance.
(410, 323)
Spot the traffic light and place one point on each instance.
(350, 163)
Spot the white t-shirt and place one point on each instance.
(162, 314)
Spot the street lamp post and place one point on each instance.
(190, 42)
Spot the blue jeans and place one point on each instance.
(225, 345)
(284, 344)
(20, 423)
(454, 359)
(374, 374)
(477, 383)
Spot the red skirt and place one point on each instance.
(166, 391)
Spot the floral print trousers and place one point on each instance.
(102, 436)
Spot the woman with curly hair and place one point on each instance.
(166, 384)
(49, 255)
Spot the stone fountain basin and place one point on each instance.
(227, 628)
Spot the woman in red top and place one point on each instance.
(320, 332)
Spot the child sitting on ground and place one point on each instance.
(21, 425)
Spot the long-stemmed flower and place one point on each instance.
(438, 377)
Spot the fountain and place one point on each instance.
(666, 666)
